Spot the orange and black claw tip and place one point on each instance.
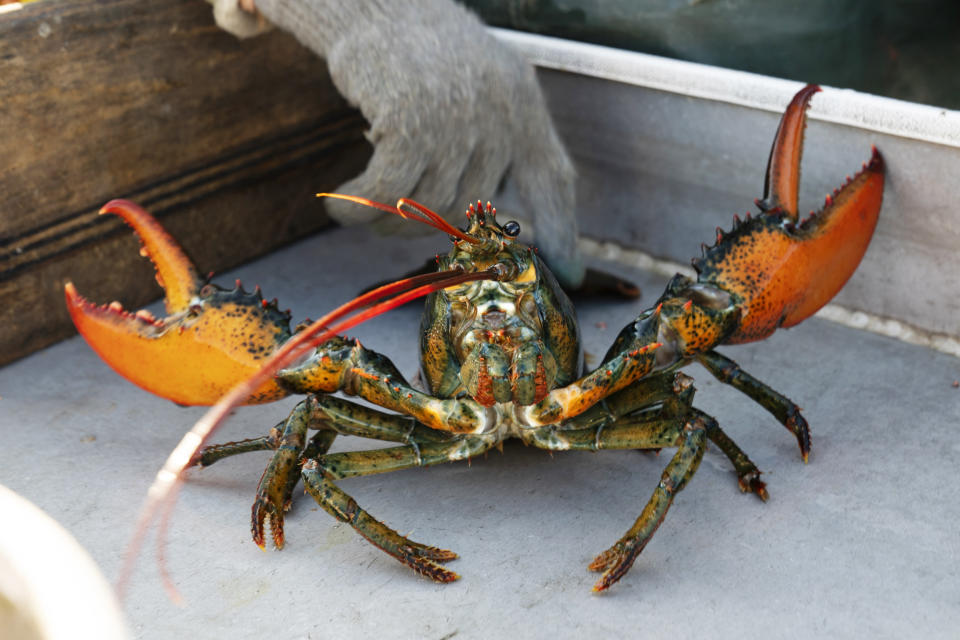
(804, 265)
(801, 429)
(603, 561)
(428, 568)
(276, 529)
(193, 352)
(256, 528)
(751, 483)
(605, 582)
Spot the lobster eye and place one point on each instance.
(512, 228)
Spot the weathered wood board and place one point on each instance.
(225, 140)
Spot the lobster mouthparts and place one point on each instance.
(211, 339)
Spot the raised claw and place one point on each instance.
(210, 340)
(777, 269)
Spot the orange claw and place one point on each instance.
(781, 270)
(211, 339)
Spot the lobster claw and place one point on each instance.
(211, 339)
(781, 270)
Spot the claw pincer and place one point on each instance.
(211, 339)
(772, 270)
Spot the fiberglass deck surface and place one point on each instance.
(861, 542)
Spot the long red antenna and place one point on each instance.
(420, 213)
(162, 492)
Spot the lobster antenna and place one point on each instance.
(163, 490)
(419, 212)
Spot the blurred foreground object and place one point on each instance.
(50, 588)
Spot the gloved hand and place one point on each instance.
(454, 114)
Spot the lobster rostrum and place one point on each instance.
(500, 355)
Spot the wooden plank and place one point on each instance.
(225, 140)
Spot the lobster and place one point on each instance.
(500, 355)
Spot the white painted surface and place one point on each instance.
(741, 88)
(860, 542)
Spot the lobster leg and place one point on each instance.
(628, 432)
(676, 423)
(674, 394)
(331, 416)
(342, 365)
(617, 560)
(690, 436)
(782, 408)
(352, 419)
(681, 406)
(748, 476)
(320, 474)
(274, 485)
(646, 393)
(770, 271)
(283, 472)
(216, 452)
(345, 365)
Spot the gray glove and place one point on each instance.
(454, 114)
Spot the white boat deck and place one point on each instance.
(860, 542)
